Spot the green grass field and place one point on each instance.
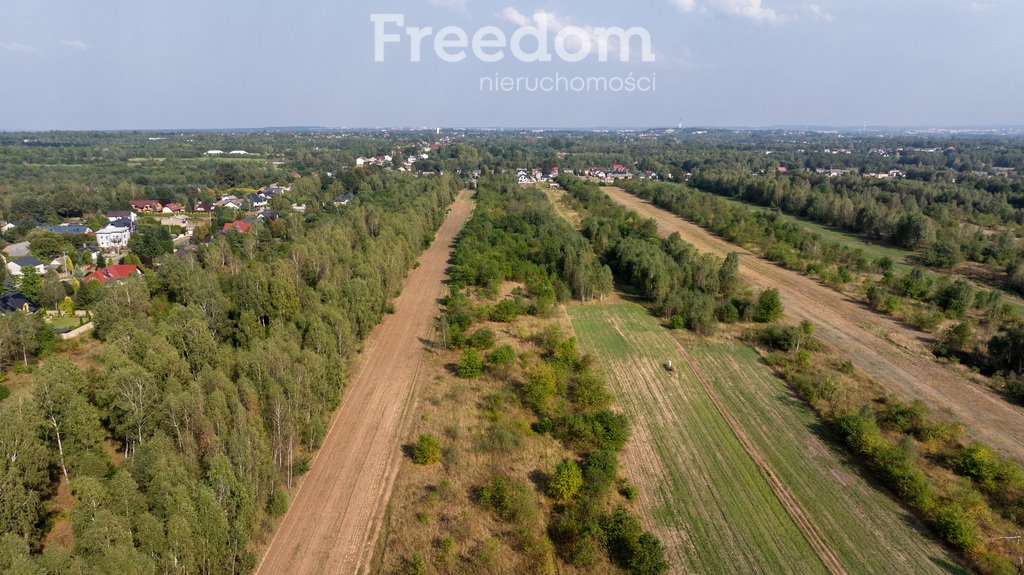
(700, 490)
(853, 241)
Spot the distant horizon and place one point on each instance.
(755, 128)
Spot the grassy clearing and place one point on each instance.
(853, 241)
(710, 491)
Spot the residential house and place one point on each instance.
(92, 251)
(18, 250)
(204, 207)
(230, 202)
(241, 226)
(66, 229)
(258, 200)
(16, 301)
(268, 215)
(7, 226)
(122, 215)
(114, 236)
(172, 208)
(343, 200)
(112, 273)
(15, 267)
(147, 206)
(273, 191)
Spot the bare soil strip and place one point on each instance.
(800, 517)
(865, 337)
(335, 516)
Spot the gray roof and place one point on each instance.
(28, 261)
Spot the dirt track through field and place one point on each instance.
(335, 517)
(861, 335)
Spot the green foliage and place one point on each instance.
(151, 241)
(567, 480)
(471, 364)
(769, 307)
(955, 524)
(506, 311)
(502, 360)
(510, 499)
(482, 339)
(427, 450)
(31, 284)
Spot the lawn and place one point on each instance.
(702, 491)
(64, 322)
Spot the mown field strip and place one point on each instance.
(708, 492)
(706, 488)
(868, 531)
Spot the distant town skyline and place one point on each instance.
(716, 63)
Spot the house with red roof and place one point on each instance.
(241, 226)
(146, 205)
(115, 273)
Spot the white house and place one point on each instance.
(15, 266)
(113, 237)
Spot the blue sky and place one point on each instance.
(153, 64)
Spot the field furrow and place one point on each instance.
(711, 503)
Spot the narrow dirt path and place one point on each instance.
(863, 336)
(792, 506)
(335, 517)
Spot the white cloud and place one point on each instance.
(750, 9)
(819, 13)
(554, 24)
(457, 5)
(514, 16)
(16, 47)
(76, 44)
(753, 10)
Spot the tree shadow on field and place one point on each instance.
(948, 566)
(408, 450)
(539, 479)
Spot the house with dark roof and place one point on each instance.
(343, 200)
(15, 266)
(203, 207)
(66, 229)
(258, 201)
(120, 215)
(16, 301)
(112, 273)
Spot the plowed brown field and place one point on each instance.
(335, 517)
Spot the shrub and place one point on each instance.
(510, 499)
(769, 307)
(567, 481)
(977, 462)
(4, 392)
(482, 339)
(506, 311)
(502, 360)
(427, 450)
(956, 526)
(278, 505)
(471, 365)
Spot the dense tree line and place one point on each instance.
(217, 375)
(515, 235)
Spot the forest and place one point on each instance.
(214, 381)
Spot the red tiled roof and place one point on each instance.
(108, 273)
(239, 226)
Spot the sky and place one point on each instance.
(190, 64)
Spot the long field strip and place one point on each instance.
(700, 489)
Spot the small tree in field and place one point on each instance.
(427, 450)
(471, 364)
(769, 307)
(502, 360)
(567, 482)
